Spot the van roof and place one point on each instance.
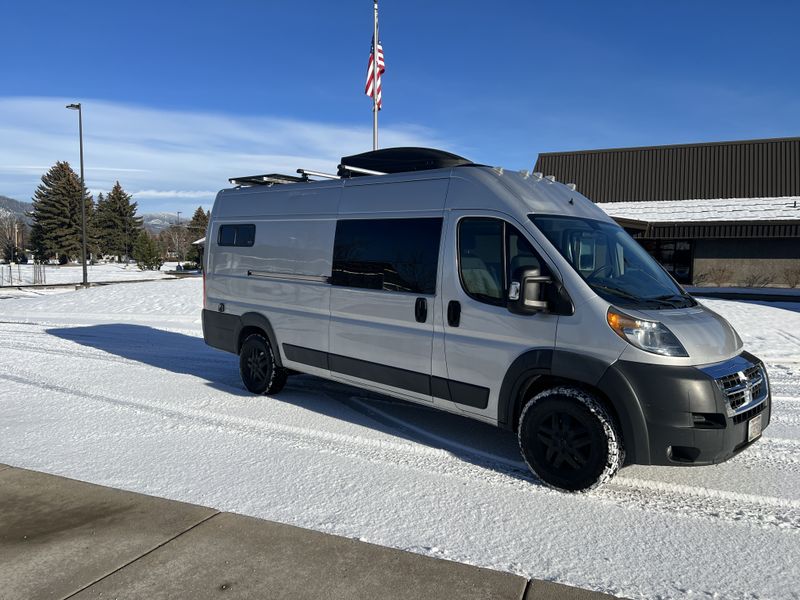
(513, 192)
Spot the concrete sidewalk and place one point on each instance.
(61, 538)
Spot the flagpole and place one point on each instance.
(375, 79)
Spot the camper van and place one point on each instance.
(503, 296)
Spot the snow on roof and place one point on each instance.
(720, 209)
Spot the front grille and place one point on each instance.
(749, 414)
(744, 387)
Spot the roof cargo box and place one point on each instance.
(400, 160)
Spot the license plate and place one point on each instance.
(754, 427)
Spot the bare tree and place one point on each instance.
(718, 274)
(12, 234)
(792, 275)
(757, 278)
(177, 241)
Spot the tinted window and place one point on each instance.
(236, 235)
(387, 254)
(491, 252)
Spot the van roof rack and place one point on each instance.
(268, 179)
(398, 160)
(377, 162)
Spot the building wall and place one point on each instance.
(744, 169)
(755, 252)
(747, 262)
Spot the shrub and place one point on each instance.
(756, 278)
(190, 266)
(791, 275)
(718, 275)
(146, 253)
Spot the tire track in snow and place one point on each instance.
(789, 337)
(778, 417)
(787, 402)
(772, 458)
(640, 485)
(766, 452)
(484, 469)
(501, 465)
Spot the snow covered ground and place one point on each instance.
(11, 275)
(114, 385)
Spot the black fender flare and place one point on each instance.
(630, 415)
(617, 390)
(526, 367)
(580, 369)
(259, 321)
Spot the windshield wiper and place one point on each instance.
(682, 301)
(615, 291)
(661, 301)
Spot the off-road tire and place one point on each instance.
(257, 367)
(569, 440)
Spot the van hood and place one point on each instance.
(706, 336)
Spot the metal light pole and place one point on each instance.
(179, 239)
(83, 187)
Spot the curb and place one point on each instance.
(64, 538)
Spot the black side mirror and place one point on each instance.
(526, 292)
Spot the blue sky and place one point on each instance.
(179, 96)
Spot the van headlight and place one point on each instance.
(650, 336)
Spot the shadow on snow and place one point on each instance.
(467, 439)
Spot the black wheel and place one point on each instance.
(569, 440)
(260, 374)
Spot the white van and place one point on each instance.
(503, 296)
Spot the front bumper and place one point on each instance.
(691, 415)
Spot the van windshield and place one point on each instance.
(614, 265)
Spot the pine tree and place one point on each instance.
(56, 230)
(117, 224)
(197, 229)
(197, 226)
(146, 252)
(100, 222)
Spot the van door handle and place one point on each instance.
(421, 310)
(454, 313)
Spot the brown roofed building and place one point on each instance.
(722, 213)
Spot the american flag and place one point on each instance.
(368, 90)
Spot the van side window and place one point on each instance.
(521, 256)
(399, 255)
(480, 259)
(236, 235)
(490, 252)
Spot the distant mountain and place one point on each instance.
(16, 208)
(158, 222)
(153, 222)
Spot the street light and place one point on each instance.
(178, 236)
(83, 187)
